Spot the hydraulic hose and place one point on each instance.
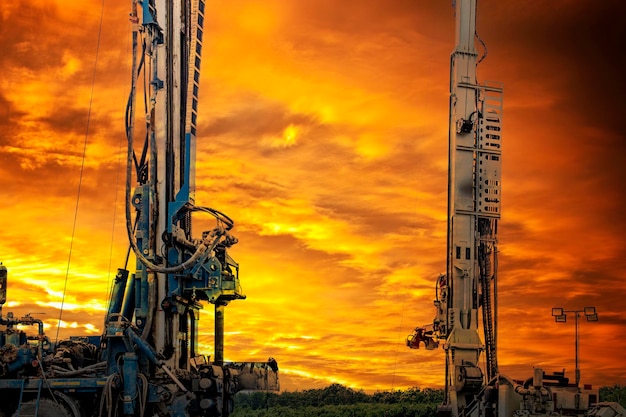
(214, 237)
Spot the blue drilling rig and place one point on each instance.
(147, 362)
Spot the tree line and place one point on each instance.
(339, 401)
(614, 393)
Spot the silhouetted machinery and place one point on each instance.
(146, 362)
(466, 295)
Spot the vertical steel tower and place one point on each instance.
(474, 192)
(467, 290)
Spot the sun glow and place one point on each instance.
(322, 131)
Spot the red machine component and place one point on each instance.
(419, 335)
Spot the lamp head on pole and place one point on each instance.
(590, 313)
(559, 315)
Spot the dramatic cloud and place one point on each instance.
(323, 133)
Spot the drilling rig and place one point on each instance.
(147, 362)
(466, 295)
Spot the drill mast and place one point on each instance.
(474, 190)
(147, 361)
(466, 295)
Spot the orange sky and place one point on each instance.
(323, 133)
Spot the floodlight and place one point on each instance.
(560, 316)
(558, 311)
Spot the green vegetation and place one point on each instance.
(339, 401)
(615, 393)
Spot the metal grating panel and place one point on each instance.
(489, 152)
(195, 59)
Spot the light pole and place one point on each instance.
(560, 316)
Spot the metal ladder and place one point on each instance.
(21, 402)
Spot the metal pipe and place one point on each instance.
(117, 294)
(151, 355)
(219, 333)
(151, 304)
(577, 314)
(129, 392)
(3, 286)
(129, 300)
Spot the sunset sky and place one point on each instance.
(323, 134)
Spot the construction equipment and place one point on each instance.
(147, 361)
(466, 295)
